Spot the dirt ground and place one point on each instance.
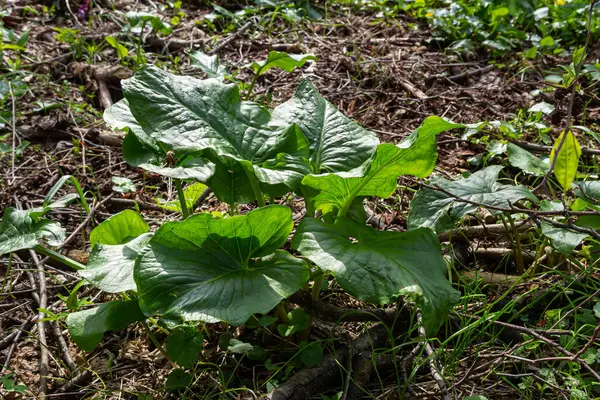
(387, 75)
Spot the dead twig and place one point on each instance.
(538, 335)
(14, 134)
(64, 347)
(43, 304)
(478, 231)
(433, 369)
(230, 39)
(540, 148)
(13, 340)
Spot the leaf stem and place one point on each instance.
(59, 257)
(252, 84)
(182, 201)
(260, 197)
(282, 313)
(310, 209)
(518, 248)
(316, 289)
(158, 345)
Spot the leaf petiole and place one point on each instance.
(181, 195)
(59, 257)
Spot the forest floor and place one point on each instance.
(384, 73)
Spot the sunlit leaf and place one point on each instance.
(567, 160)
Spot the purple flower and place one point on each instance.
(84, 9)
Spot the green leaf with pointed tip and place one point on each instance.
(18, 230)
(521, 158)
(336, 142)
(184, 345)
(283, 60)
(119, 228)
(210, 65)
(110, 267)
(562, 239)
(567, 160)
(212, 270)
(437, 210)
(377, 266)
(87, 327)
(208, 118)
(416, 156)
(142, 151)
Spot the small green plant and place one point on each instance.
(500, 25)
(211, 66)
(10, 386)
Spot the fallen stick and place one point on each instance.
(435, 374)
(230, 39)
(470, 74)
(42, 299)
(540, 148)
(471, 232)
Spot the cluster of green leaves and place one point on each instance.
(500, 25)
(223, 20)
(210, 268)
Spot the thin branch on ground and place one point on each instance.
(43, 304)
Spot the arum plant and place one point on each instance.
(211, 269)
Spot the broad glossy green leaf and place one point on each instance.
(141, 150)
(118, 116)
(18, 230)
(283, 60)
(87, 327)
(110, 267)
(567, 160)
(336, 142)
(562, 239)
(212, 270)
(416, 156)
(119, 228)
(521, 158)
(184, 345)
(210, 65)
(377, 266)
(208, 117)
(437, 210)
